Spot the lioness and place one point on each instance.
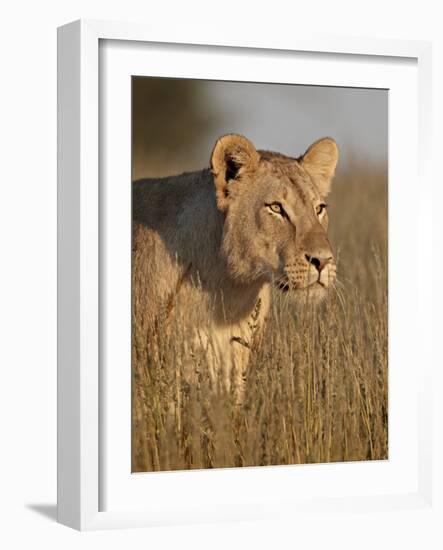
(211, 243)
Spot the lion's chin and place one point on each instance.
(315, 292)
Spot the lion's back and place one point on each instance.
(157, 202)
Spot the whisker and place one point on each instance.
(339, 296)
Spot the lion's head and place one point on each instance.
(275, 214)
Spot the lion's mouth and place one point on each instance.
(285, 286)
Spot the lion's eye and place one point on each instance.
(321, 208)
(276, 207)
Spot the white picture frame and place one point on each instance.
(82, 417)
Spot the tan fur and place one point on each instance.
(210, 244)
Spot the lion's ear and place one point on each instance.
(320, 161)
(233, 157)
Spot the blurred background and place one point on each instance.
(176, 122)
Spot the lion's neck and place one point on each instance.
(198, 238)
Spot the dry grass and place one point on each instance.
(317, 387)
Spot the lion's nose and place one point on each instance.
(318, 262)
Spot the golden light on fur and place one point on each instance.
(320, 161)
(209, 243)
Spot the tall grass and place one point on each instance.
(316, 389)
